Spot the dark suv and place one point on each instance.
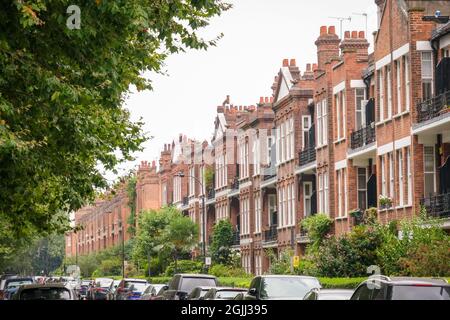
(182, 284)
(402, 288)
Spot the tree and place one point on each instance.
(165, 234)
(180, 236)
(62, 92)
(221, 242)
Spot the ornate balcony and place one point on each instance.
(211, 194)
(307, 155)
(235, 184)
(437, 206)
(363, 137)
(434, 107)
(271, 234)
(236, 238)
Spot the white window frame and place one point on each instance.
(324, 122)
(409, 174)
(383, 176)
(272, 198)
(381, 93)
(427, 78)
(319, 124)
(292, 139)
(407, 83)
(360, 112)
(307, 197)
(391, 175)
(337, 99)
(361, 188)
(429, 172)
(389, 91)
(305, 130)
(321, 199)
(399, 85)
(400, 177)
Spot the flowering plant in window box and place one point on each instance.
(385, 202)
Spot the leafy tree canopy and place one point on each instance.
(62, 92)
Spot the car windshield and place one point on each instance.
(136, 286)
(45, 294)
(16, 284)
(103, 283)
(286, 287)
(188, 284)
(227, 294)
(420, 293)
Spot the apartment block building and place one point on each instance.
(356, 130)
(105, 222)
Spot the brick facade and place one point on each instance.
(331, 140)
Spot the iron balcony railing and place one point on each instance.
(307, 155)
(185, 201)
(236, 238)
(437, 206)
(211, 194)
(432, 108)
(363, 136)
(235, 184)
(271, 234)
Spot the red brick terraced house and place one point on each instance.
(351, 132)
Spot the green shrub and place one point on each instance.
(235, 282)
(222, 240)
(111, 267)
(340, 283)
(184, 266)
(281, 264)
(318, 227)
(220, 270)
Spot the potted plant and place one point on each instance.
(385, 202)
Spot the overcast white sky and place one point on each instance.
(258, 35)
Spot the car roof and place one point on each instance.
(135, 280)
(410, 280)
(19, 279)
(287, 276)
(47, 285)
(193, 275)
(230, 289)
(335, 291)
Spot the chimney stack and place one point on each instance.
(327, 45)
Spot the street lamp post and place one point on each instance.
(181, 175)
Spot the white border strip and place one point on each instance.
(402, 143)
(400, 51)
(340, 165)
(423, 46)
(339, 87)
(357, 84)
(388, 147)
(395, 55)
(444, 41)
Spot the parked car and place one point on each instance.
(182, 284)
(112, 290)
(153, 290)
(84, 288)
(49, 291)
(100, 288)
(329, 294)
(276, 287)
(130, 289)
(3, 279)
(197, 293)
(222, 293)
(13, 284)
(402, 288)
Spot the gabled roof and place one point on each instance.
(284, 84)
